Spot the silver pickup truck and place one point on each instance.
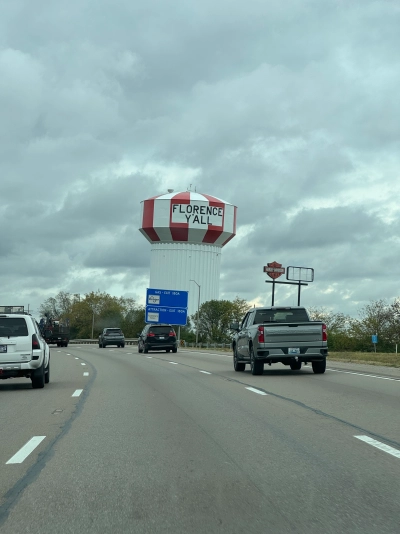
(279, 334)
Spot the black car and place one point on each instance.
(157, 337)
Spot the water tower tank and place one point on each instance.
(187, 231)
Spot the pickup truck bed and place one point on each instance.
(279, 335)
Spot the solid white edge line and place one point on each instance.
(257, 391)
(379, 445)
(85, 374)
(363, 374)
(26, 450)
(205, 372)
(76, 393)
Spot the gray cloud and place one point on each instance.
(288, 110)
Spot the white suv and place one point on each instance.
(23, 351)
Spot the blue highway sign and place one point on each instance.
(164, 314)
(167, 297)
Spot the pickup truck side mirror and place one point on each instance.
(234, 326)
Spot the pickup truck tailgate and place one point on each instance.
(287, 334)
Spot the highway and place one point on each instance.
(121, 442)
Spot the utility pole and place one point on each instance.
(198, 311)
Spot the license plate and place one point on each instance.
(3, 348)
(293, 350)
(161, 337)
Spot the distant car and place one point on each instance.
(157, 337)
(23, 351)
(111, 336)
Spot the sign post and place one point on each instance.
(375, 340)
(300, 275)
(274, 270)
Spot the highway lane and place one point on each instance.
(164, 447)
(27, 413)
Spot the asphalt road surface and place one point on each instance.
(121, 442)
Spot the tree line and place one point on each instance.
(94, 311)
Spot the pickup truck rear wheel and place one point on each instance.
(319, 367)
(238, 366)
(295, 366)
(257, 367)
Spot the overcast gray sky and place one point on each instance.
(289, 110)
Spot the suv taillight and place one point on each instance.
(324, 334)
(35, 342)
(172, 333)
(261, 334)
(151, 334)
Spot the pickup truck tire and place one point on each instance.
(257, 367)
(295, 366)
(238, 366)
(38, 378)
(319, 367)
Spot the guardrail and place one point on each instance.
(133, 341)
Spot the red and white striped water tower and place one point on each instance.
(187, 231)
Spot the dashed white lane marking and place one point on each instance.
(26, 450)
(129, 353)
(76, 358)
(149, 357)
(254, 390)
(364, 374)
(205, 372)
(83, 363)
(76, 393)
(173, 363)
(68, 354)
(59, 351)
(85, 374)
(379, 445)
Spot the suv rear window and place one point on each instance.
(159, 330)
(13, 327)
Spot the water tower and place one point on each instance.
(187, 231)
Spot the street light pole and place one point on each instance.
(198, 310)
(93, 324)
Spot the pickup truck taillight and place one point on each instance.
(324, 334)
(261, 334)
(35, 342)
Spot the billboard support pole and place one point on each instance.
(273, 293)
(298, 294)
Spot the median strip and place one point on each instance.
(379, 445)
(259, 392)
(26, 450)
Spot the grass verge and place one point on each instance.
(372, 358)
